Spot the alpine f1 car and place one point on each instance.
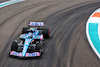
(31, 41)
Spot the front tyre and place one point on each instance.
(14, 46)
(38, 46)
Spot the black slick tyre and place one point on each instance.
(38, 46)
(46, 33)
(14, 46)
(24, 30)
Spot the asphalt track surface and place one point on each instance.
(67, 46)
(3, 1)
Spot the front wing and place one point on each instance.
(19, 54)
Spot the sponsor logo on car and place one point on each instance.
(36, 24)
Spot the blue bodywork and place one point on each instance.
(28, 38)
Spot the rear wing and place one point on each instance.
(36, 24)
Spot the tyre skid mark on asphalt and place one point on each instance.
(14, 32)
(28, 17)
(73, 10)
(54, 14)
(20, 13)
(75, 47)
(11, 37)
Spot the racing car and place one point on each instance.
(31, 41)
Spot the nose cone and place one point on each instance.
(26, 45)
(24, 50)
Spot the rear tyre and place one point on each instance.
(14, 46)
(24, 30)
(46, 33)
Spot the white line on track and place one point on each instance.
(9, 3)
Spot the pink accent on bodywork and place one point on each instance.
(42, 24)
(11, 52)
(41, 37)
(26, 55)
(16, 52)
(38, 54)
(20, 54)
(20, 36)
(30, 23)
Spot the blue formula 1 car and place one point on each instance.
(32, 41)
